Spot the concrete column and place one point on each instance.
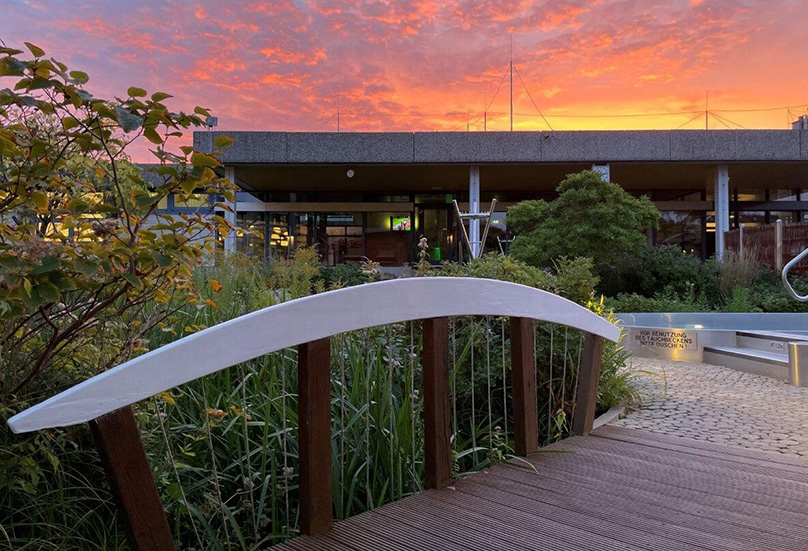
(604, 170)
(720, 182)
(230, 239)
(474, 208)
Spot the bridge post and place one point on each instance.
(437, 420)
(118, 441)
(586, 399)
(523, 378)
(314, 435)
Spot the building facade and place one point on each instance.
(355, 195)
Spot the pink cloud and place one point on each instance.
(400, 65)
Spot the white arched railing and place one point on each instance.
(296, 322)
(308, 323)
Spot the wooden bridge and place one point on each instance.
(617, 489)
(608, 490)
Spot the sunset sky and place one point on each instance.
(429, 65)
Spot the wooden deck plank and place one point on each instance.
(653, 496)
(731, 472)
(736, 462)
(678, 526)
(426, 517)
(594, 526)
(394, 533)
(617, 490)
(559, 537)
(776, 460)
(482, 517)
(776, 495)
(573, 466)
(312, 543)
(696, 457)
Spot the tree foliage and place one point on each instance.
(87, 265)
(590, 218)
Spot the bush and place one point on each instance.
(342, 275)
(576, 279)
(667, 301)
(738, 269)
(590, 217)
(741, 301)
(88, 272)
(658, 268)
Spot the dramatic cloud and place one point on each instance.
(287, 65)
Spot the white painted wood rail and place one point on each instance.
(297, 322)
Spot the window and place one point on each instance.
(682, 228)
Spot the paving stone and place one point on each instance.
(718, 404)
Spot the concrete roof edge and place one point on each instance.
(280, 147)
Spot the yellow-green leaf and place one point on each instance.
(79, 77)
(36, 50)
(48, 292)
(188, 186)
(201, 159)
(152, 135)
(133, 280)
(39, 199)
(69, 122)
(223, 141)
(136, 92)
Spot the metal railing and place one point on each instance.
(791, 291)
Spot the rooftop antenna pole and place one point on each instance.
(511, 69)
(467, 119)
(707, 110)
(337, 112)
(485, 111)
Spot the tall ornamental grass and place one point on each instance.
(224, 448)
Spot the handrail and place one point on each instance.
(297, 322)
(786, 268)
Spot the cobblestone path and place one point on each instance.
(717, 404)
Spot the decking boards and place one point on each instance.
(618, 489)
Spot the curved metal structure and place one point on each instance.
(786, 268)
(297, 322)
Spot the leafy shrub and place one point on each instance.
(741, 301)
(500, 267)
(738, 269)
(590, 217)
(667, 301)
(657, 268)
(576, 278)
(89, 273)
(342, 275)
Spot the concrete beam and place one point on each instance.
(510, 147)
(349, 147)
(605, 146)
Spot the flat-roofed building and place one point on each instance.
(374, 194)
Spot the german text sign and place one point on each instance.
(668, 339)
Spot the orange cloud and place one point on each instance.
(427, 65)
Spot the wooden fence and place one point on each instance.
(773, 245)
